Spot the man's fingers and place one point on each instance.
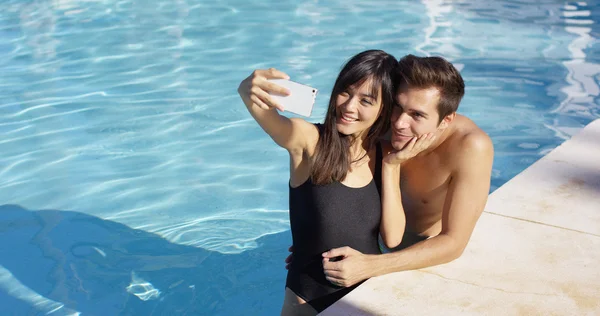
(336, 281)
(333, 274)
(288, 260)
(331, 265)
(336, 252)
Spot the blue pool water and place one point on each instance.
(134, 182)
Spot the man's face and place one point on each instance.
(414, 114)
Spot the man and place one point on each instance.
(444, 187)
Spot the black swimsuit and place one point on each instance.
(329, 216)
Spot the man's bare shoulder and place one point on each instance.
(470, 143)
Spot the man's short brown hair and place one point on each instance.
(432, 72)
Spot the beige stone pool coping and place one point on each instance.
(535, 250)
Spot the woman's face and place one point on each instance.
(357, 109)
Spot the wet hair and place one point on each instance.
(432, 72)
(332, 156)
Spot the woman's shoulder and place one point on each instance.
(307, 128)
(310, 131)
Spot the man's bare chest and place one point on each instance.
(424, 187)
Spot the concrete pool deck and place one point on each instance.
(534, 251)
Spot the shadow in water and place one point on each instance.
(98, 267)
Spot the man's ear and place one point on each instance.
(447, 120)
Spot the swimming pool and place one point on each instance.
(134, 182)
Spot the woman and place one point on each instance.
(335, 172)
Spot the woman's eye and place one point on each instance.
(367, 101)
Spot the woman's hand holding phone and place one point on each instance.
(273, 89)
(257, 89)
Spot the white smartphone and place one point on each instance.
(301, 99)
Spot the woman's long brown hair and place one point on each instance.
(332, 157)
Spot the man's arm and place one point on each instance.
(466, 198)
